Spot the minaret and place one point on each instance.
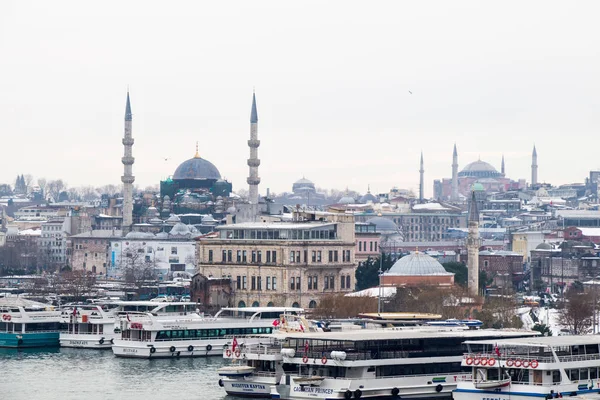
(534, 167)
(421, 180)
(473, 247)
(502, 166)
(127, 177)
(454, 196)
(253, 162)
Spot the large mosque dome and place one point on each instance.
(196, 168)
(479, 169)
(417, 264)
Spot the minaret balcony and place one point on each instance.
(253, 181)
(127, 160)
(128, 141)
(127, 179)
(253, 162)
(253, 143)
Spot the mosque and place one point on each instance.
(479, 174)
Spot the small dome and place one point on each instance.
(346, 200)
(368, 198)
(544, 246)
(477, 187)
(139, 235)
(196, 168)
(173, 218)
(180, 229)
(162, 235)
(208, 218)
(383, 225)
(417, 264)
(231, 210)
(155, 221)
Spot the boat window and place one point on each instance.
(573, 374)
(583, 374)
(555, 376)
(493, 374)
(593, 373)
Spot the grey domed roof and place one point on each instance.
(180, 229)
(173, 218)
(417, 264)
(139, 235)
(231, 210)
(196, 168)
(346, 200)
(544, 246)
(303, 181)
(368, 198)
(162, 235)
(155, 221)
(383, 225)
(479, 169)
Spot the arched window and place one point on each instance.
(270, 304)
(94, 269)
(296, 305)
(241, 304)
(255, 304)
(312, 304)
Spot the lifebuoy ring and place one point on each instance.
(221, 382)
(357, 394)
(525, 363)
(101, 341)
(152, 350)
(172, 349)
(112, 341)
(228, 353)
(534, 363)
(510, 362)
(323, 360)
(305, 359)
(484, 361)
(208, 347)
(238, 353)
(492, 362)
(476, 361)
(347, 395)
(439, 388)
(190, 348)
(469, 361)
(395, 391)
(6, 317)
(518, 363)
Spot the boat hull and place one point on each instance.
(100, 342)
(199, 348)
(521, 392)
(258, 387)
(26, 340)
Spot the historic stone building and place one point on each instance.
(283, 263)
(90, 250)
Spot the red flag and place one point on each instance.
(306, 346)
(276, 323)
(302, 327)
(234, 344)
(497, 350)
(74, 310)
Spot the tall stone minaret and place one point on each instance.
(253, 162)
(473, 247)
(421, 181)
(454, 196)
(127, 177)
(502, 167)
(534, 167)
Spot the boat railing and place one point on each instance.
(462, 378)
(82, 333)
(265, 374)
(260, 349)
(539, 358)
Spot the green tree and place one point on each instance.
(367, 274)
(459, 270)
(543, 329)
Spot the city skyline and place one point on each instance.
(350, 102)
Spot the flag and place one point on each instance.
(234, 344)
(276, 323)
(128, 319)
(497, 350)
(301, 327)
(306, 346)
(75, 311)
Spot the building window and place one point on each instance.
(292, 257)
(253, 256)
(326, 283)
(343, 282)
(238, 282)
(335, 256)
(224, 256)
(486, 263)
(348, 282)
(259, 282)
(306, 256)
(330, 255)
(298, 256)
(244, 256)
(319, 256)
(274, 280)
(268, 258)
(244, 282)
(292, 283)
(309, 282)
(298, 283)
(314, 256)
(370, 246)
(268, 282)
(253, 287)
(239, 256)
(274, 257)
(229, 255)
(316, 282)
(359, 246)
(375, 246)
(173, 250)
(210, 256)
(259, 254)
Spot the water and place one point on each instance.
(65, 374)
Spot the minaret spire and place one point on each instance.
(502, 166)
(421, 180)
(534, 168)
(127, 177)
(253, 162)
(454, 195)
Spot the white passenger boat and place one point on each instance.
(416, 362)
(527, 368)
(89, 326)
(193, 335)
(26, 323)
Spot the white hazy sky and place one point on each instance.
(332, 80)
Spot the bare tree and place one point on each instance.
(77, 283)
(138, 268)
(55, 187)
(577, 312)
(28, 180)
(43, 184)
(340, 306)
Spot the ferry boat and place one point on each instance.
(193, 335)
(526, 368)
(97, 325)
(25, 323)
(413, 362)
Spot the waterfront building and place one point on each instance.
(90, 250)
(283, 263)
(367, 241)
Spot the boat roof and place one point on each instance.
(360, 335)
(262, 309)
(154, 303)
(542, 341)
(400, 316)
(22, 302)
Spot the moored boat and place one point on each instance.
(25, 323)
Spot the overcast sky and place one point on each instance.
(332, 82)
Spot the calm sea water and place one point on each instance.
(65, 374)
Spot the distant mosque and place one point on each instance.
(477, 174)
